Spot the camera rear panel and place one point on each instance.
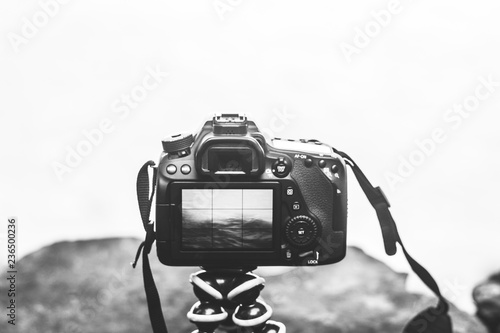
(290, 210)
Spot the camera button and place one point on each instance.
(289, 191)
(308, 162)
(281, 167)
(322, 163)
(296, 205)
(335, 168)
(185, 169)
(171, 169)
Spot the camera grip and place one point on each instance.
(317, 190)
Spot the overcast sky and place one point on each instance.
(410, 89)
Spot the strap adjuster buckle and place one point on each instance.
(382, 198)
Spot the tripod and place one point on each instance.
(229, 299)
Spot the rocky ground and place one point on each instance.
(89, 286)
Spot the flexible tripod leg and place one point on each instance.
(230, 298)
(207, 316)
(208, 313)
(253, 313)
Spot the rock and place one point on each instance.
(487, 298)
(89, 286)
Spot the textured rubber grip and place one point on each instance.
(316, 189)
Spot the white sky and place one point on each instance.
(263, 59)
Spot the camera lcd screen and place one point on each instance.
(227, 219)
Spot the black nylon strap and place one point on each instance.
(433, 319)
(145, 200)
(152, 296)
(379, 201)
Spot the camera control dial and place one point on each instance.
(302, 231)
(179, 144)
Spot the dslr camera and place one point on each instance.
(226, 197)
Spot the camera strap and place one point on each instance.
(145, 200)
(431, 320)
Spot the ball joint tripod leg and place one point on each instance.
(231, 297)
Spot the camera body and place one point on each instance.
(227, 198)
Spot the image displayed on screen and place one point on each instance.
(227, 219)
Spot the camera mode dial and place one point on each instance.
(179, 144)
(302, 231)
